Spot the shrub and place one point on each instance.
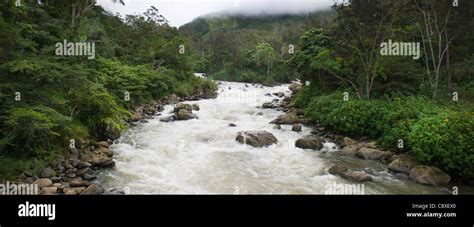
(358, 117)
(399, 117)
(320, 107)
(32, 130)
(305, 95)
(446, 140)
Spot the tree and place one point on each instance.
(433, 27)
(361, 26)
(263, 55)
(317, 57)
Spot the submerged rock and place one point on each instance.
(256, 138)
(167, 119)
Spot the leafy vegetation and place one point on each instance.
(249, 48)
(46, 100)
(404, 103)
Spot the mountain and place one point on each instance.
(229, 40)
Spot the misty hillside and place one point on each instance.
(228, 40)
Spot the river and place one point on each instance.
(201, 155)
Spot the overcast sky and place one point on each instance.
(180, 12)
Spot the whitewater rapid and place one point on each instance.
(201, 156)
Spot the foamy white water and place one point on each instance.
(201, 155)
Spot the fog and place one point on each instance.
(179, 12)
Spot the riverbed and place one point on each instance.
(201, 156)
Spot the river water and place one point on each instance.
(201, 155)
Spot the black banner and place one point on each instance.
(244, 209)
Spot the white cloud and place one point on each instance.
(180, 12)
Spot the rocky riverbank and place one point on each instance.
(402, 166)
(75, 173)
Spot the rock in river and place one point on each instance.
(296, 128)
(349, 174)
(309, 142)
(184, 114)
(256, 138)
(429, 175)
(373, 154)
(267, 105)
(403, 163)
(286, 119)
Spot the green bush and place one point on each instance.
(399, 117)
(320, 107)
(446, 140)
(358, 117)
(305, 95)
(32, 131)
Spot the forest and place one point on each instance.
(48, 100)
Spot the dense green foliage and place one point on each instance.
(403, 103)
(46, 100)
(249, 48)
(436, 133)
(447, 140)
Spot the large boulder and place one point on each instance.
(429, 175)
(286, 119)
(93, 189)
(309, 142)
(403, 163)
(350, 150)
(49, 191)
(181, 106)
(256, 138)
(267, 105)
(373, 154)
(100, 158)
(349, 174)
(184, 114)
(43, 182)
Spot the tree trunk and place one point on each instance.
(448, 62)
